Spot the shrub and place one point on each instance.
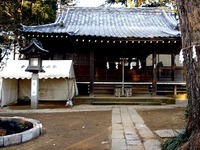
(175, 143)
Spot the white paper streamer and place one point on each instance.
(194, 54)
(140, 66)
(116, 65)
(181, 58)
(107, 65)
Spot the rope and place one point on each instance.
(190, 47)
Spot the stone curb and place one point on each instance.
(23, 136)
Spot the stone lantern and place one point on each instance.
(34, 52)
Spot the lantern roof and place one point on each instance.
(34, 47)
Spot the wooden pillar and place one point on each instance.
(172, 66)
(154, 79)
(91, 73)
(123, 64)
(172, 71)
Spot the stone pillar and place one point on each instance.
(34, 90)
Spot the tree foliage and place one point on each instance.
(6, 42)
(143, 3)
(32, 12)
(66, 2)
(16, 12)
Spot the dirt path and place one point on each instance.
(70, 131)
(161, 119)
(158, 119)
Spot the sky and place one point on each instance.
(90, 3)
(95, 3)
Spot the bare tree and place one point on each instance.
(189, 15)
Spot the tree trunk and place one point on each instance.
(189, 16)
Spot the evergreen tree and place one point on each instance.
(189, 15)
(16, 12)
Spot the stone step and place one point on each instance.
(124, 100)
(123, 103)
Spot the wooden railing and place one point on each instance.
(137, 87)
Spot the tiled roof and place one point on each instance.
(112, 22)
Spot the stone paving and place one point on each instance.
(129, 131)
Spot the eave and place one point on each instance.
(100, 39)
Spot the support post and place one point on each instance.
(172, 66)
(154, 79)
(91, 73)
(175, 89)
(34, 90)
(123, 76)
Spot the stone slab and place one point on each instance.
(133, 143)
(119, 144)
(27, 135)
(12, 139)
(144, 131)
(1, 141)
(167, 133)
(131, 136)
(152, 144)
(117, 126)
(35, 132)
(135, 148)
(117, 134)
